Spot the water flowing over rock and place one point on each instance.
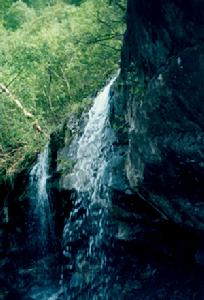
(41, 234)
(86, 231)
(41, 222)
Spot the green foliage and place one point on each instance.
(4, 6)
(75, 2)
(65, 165)
(17, 15)
(39, 4)
(51, 60)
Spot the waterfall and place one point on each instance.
(45, 274)
(85, 233)
(41, 224)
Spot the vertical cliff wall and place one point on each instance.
(158, 106)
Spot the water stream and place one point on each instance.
(44, 282)
(41, 222)
(85, 233)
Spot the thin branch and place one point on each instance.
(63, 78)
(123, 8)
(49, 70)
(66, 82)
(109, 25)
(4, 89)
(93, 40)
(110, 47)
(15, 77)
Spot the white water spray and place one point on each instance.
(92, 178)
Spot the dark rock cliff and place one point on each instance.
(157, 114)
(160, 101)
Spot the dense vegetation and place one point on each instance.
(54, 55)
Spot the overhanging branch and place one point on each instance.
(4, 89)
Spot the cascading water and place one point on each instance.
(44, 285)
(41, 224)
(85, 233)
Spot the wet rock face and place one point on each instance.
(166, 148)
(162, 94)
(159, 29)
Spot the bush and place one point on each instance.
(18, 14)
(51, 62)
